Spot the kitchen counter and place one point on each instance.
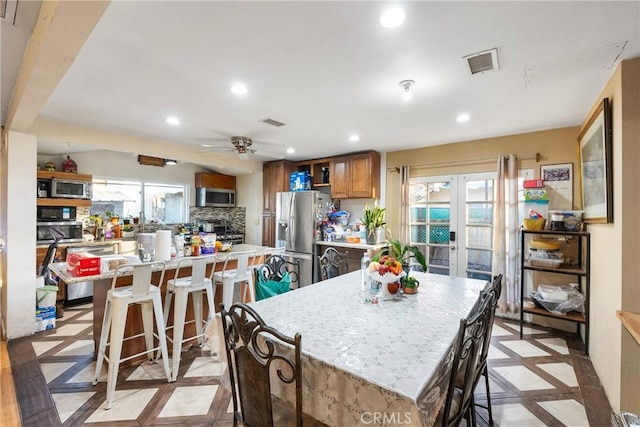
(363, 246)
(102, 284)
(85, 244)
(60, 268)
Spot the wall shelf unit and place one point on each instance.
(580, 271)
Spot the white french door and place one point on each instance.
(452, 223)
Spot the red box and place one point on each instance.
(533, 183)
(83, 264)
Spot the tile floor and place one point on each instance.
(543, 380)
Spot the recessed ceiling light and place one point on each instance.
(172, 120)
(464, 117)
(239, 89)
(392, 18)
(290, 151)
(354, 138)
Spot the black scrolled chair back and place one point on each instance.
(275, 266)
(333, 263)
(465, 366)
(251, 350)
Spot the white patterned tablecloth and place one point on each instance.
(373, 365)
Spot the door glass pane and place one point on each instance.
(480, 190)
(439, 256)
(479, 237)
(480, 213)
(479, 260)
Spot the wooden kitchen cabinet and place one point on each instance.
(275, 178)
(355, 176)
(215, 180)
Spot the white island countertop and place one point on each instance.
(60, 268)
(342, 244)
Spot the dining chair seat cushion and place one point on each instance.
(269, 288)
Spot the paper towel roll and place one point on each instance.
(163, 245)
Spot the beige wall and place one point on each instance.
(554, 146)
(249, 195)
(615, 252)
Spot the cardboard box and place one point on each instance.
(533, 183)
(83, 264)
(45, 318)
(300, 181)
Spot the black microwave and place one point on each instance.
(56, 213)
(216, 197)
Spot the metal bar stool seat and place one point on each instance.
(148, 296)
(182, 287)
(241, 274)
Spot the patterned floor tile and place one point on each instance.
(494, 353)
(569, 412)
(498, 331)
(70, 329)
(149, 371)
(522, 378)
(68, 403)
(127, 405)
(515, 415)
(189, 401)
(205, 367)
(562, 371)
(77, 348)
(52, 371)
(525, 330)
(556, 344)
(524, 349)
(41, 347)
(87, 373)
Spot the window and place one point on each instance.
(160, 202)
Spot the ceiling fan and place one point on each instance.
(241, 145)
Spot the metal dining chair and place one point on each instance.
(333, 263)
(249, 365)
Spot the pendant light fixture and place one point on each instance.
(406, 85)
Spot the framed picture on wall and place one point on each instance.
(596, 171)
(558, 180)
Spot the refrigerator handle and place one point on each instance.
(292, 222)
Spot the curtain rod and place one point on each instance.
(535, 156)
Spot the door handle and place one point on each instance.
(453, 247)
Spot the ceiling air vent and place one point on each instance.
(272, 122)
(481, 61)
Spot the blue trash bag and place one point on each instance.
(268, 288)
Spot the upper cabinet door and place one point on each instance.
(361, 172)
(339, 177)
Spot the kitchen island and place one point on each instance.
(102, 284)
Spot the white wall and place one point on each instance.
(249, 196)
(18, 230)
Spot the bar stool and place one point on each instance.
(241, 274)
(145, 294)
(182, 287)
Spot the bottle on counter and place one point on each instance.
(364, 275)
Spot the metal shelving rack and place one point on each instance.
(581, 271)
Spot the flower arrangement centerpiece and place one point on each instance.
(388, 272)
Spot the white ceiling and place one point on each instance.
(328, 69)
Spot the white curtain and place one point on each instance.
(405, 220)
(505, 233)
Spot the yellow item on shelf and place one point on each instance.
(536, 244)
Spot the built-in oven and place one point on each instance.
(71, 231)
(70, 189)
(56, 213)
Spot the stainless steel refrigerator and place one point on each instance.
(297, 216)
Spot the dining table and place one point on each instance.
(362, 364)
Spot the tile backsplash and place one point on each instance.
(237, 217)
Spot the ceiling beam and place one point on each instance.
(60, 32)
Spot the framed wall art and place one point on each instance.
(558, 180)
(596, 171)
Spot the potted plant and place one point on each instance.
(113, 217)
(404, 253)
(373, 220)
(410, 285)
